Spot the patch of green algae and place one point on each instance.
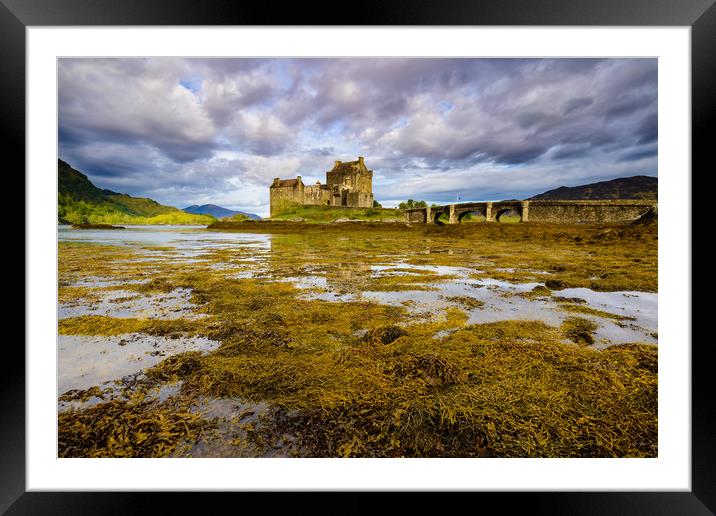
(107, 326)
(466, 301)
(400, 282)
(587, 310)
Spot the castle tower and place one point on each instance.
(285, 193)
(350, 184)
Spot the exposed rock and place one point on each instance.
(384, 335)
(96, 226)
(555, 284)
(650, 217)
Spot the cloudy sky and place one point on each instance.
(198, 131)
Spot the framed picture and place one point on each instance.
(422, 120)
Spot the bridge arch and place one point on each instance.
(466, 215)
(508, 210)
(436, 214)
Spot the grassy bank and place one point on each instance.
(313, 214)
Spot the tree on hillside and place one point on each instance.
(376, 204)
(410, 204)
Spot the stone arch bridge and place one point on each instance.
(564, 212)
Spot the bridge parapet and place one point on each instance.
(566, 212)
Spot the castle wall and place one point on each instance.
(339, 178)
(582, 211)
(317, 195)
(282, 198)
(364, 182)
(360, 199)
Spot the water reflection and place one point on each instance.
(340, 267)
(185, 239)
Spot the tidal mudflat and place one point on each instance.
(358, 340)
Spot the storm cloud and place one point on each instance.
(196, 131)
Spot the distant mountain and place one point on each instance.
(79, 201)
(217, 211)
(636, 187)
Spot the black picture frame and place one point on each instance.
(17, 15)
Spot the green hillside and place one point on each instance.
(79, 201)
(636, 187)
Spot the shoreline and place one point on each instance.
(471, 227)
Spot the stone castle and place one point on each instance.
(348, 184)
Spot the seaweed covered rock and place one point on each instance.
(96, 226)
(579, 330)
(432, 369)
(555, 284)
(384, 335)
(125, 429)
